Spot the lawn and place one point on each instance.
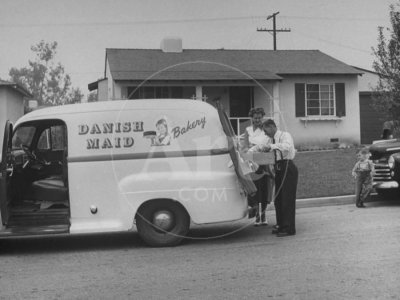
(325, 173)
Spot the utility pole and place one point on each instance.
(274, 30)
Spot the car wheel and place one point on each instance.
(162, 223)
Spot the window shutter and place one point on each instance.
(340, 100)
(300, 99)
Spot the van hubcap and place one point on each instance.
(163, 220)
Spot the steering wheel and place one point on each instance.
(32, 156)
(29, 153)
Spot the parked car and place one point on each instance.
(386, 156)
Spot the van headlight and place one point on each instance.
(391, 162)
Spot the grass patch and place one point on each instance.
(325, 173)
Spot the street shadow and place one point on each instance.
(80, 243)
(386, 203)
(226, 233)
(213, 234)
(376, 200)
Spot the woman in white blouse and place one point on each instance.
(262, 178)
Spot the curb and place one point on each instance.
(327, 201)
(330, 201)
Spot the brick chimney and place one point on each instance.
(171, 45)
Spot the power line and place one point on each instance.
(274, 30)
(335, 19)
(331, 42)
(119, 23)
(194, 20)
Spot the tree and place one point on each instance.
(387, 65)
(46, 79)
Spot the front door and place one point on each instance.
(240, 103)
(4, 170)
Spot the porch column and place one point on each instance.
(199, 92)
(276, 111)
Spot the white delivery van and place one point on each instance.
(104, 167)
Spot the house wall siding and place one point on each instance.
(102, 90)
(368, 81)
(320, 132)
(263, 97)
(15, 106)
(110, 83)
(3, 113)
(11, 108)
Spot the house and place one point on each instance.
(308, 93)
(371, 121)
(11, 103)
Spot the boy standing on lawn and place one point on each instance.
(362, 172)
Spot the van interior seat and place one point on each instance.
(53, 188)
(50, 189)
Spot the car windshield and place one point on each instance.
(23, 136)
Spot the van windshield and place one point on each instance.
(23, 136)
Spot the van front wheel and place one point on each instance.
(162, 223)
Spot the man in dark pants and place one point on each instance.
(285, 178)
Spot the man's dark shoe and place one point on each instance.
(285, 233)
(275, 231)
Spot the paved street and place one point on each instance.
(340, 252)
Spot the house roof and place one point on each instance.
(95, 85)
(196, 64)
(16, 87)
(365, 70)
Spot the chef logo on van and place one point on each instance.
(162, 137)
(97, 142)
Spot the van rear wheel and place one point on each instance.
(162, 223)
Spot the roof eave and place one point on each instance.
(19, 89)
(196, 80)
(318, 74)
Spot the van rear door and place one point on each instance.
(4, 170)
(244, 179)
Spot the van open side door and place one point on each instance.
(5, 171)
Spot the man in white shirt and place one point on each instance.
(285, 179)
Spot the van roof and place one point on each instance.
(115, 105)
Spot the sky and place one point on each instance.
(344, 29)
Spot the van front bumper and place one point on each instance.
(386, 185)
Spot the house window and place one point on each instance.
(325, 100)
(154, 92)
(320, 99)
